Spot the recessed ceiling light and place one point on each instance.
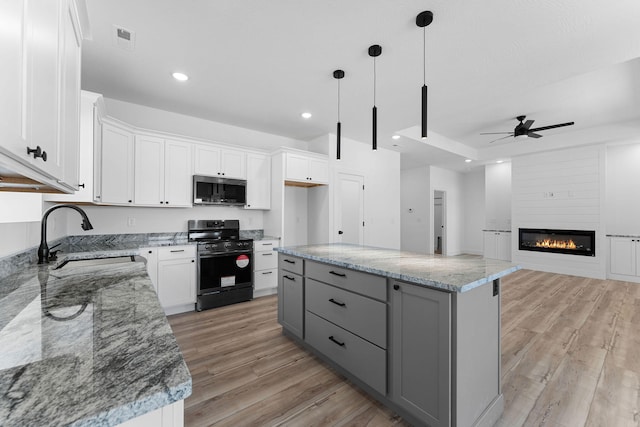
(306, 115)
(180, 77)
(499, 161)
(396, 137)
(467, 160)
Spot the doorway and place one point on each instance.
(439, 207)
(349, 212)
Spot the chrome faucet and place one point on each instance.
(43, 250)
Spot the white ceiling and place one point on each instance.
(259, 64)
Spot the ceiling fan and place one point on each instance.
(523, 130)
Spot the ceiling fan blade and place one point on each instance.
(496, 133)
(527, 124)
(508, 136)
(551, 127)
(533, 135)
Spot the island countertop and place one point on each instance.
(451, 273)
(85, 345)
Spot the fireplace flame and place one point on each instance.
(559, 244)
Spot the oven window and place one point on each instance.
(218, 272)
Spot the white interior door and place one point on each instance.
(438, 222)
(349, 213)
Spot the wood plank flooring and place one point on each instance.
(570, 357)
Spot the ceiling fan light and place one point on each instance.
(523, 136)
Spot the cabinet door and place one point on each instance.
(234, 164)
(177, 174)
(116, 166)
(623, 256)
(149, 171)
(176, 282)
(490, 245)
(503, 246)
(421, 348)
(319, 171)
(151, 255)
(70, 95)
(290, 302)
(297, 167)
(12, 102)
(258, 181)
(206, 160)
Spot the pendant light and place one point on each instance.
(422, 20)
(374, 51)
(338, 74)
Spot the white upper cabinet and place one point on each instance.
(162, 172)
(258, 181)
(306, 168)
(41, 42)
(116, 166)
(211, 160)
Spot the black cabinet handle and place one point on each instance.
(396, 287)
(337, 274)
(177, 250)
(267, 272)
(341, 344)
(269, 254)
(37, 152)
(293, 279)
(341, 304)
(266, 244)
(81, 185)
(150, 252)
(166, 203)
(340, 232)
(193, 260)
(289, 261)
(161, 202)
(129, 201)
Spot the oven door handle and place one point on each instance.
(222, 254)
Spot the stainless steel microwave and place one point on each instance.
(213, 190)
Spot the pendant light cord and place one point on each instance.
(424, 55)
(374, 81)
(338, 99)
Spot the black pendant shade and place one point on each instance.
(422, 20)
(338, 74)
(374, 51)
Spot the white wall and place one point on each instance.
(451, 183)
(474, 214)
(622, 207)
(562, 190)
(498, 196)
(414, 207)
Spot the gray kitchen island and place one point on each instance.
(420, 333)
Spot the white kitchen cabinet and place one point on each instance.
(162, 172)
(258, 181)
(89, 129)
(265, 267)
(306, 168)
(172, 270)
(40, 88)
(497, 245)
(624, 258)
(212, 160)
(116, 165)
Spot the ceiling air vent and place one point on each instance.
(124, 39)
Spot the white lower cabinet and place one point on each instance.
(265, 267)
(624, 258)
(172, 269)
(168, 416)
(497, 245)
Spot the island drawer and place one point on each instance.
(290, 263)
(176, 252)
(360, 315)
(356, 281)
(359, 357)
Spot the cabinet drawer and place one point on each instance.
(265, 279)
(363, 359)
(176, 252)
(356, 281)
(360, 315)
(290, 263)
(265, 260)
(265, 245)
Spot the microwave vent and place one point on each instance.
(124, 38)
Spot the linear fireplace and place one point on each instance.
(574, 242)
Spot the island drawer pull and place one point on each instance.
(177, 250)
(266, 244)
(337, 274)
(289, 261)
(293, 279)
(341, 304)
(341, 344)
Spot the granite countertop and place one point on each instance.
(85, 345)
(455, 273)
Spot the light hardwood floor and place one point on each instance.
(570, 357)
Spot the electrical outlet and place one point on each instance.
(131, 222)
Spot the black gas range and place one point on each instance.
(225, 263)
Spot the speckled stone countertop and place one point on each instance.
(456, 273)
(85, 345)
